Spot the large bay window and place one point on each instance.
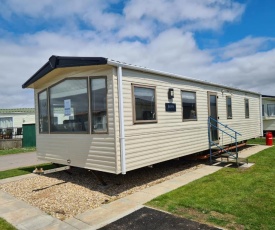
(64, 107)
(144, 104)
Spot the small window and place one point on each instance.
(189, 105)
(229, 107)
(99, 105)
(69, 106)
(144, 104)
(263, 110)
(43, 112)
(6, 122)
(246, 101)
(271, 110)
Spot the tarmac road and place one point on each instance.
(147, 218)
(19, 160)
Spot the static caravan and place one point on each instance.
(109, 116)
(268, 113)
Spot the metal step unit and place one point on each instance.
(223, 151)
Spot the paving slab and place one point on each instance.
(77, 223)
(140, 197)
(5, 198)
(25, 217)
(159, 189)
(250, 151)
(17, 178)
(20, 215)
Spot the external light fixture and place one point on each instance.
(170, 93)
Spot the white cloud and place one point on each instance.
(244, 47)
(253, 71)
(193, 15)
(139, 18)
(117, 36)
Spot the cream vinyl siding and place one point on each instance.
(171, 137)
(91, 151)
(248, 127)
(269, 125)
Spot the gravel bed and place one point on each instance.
(64, 195)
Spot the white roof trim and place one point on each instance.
(148, 70)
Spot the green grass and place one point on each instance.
(257, 141)
(24, 170)
(4, 225)
(15, 151)
(231, 198)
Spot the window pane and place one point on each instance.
(270, 110)
(43, 112)
(69, 106)
(6, 122)
(189, 105)
(229, 107)
(246, 108)
(98, 106)
(145, 103)
(263, 110)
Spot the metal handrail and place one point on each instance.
(212, 142)
(224, 125)
(222, 130)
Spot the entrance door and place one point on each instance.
(213, 112)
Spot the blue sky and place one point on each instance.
(230, 42)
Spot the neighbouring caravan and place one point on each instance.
(268, 113)
(109, 116)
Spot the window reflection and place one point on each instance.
(98, 105)
(43, 112)
(189, 105)
(69, 106)
(145, 107)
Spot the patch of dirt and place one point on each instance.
(204, 216)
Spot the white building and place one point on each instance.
(12, 120)
(268, 113)
(16, 117)
(118, 117)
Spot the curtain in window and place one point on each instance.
(145, 103)
(5, 122)
(271, 110)
(189, 105)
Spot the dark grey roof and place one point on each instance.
(62, 62)
(268, 96)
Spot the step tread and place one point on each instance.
(228, 154)
(220, 147)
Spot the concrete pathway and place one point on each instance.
(19, 160)
(24, 216)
